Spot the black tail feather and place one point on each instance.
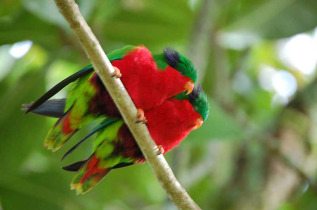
(75, 166)
(76, 145)
(121, 165)
(51, 108)
(57, 88)
(102, 125)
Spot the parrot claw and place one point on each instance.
(160, 150)
(141, 117)
(116, 73)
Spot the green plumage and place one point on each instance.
(199, 101)
(77, 108)
(105, 157)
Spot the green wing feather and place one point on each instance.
(106, 156)
(77, 106)
(102, 125)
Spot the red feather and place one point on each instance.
(92, 174)
(147, 85)
(171, 122)
(168, 124)
(66, 125)
(93, 170)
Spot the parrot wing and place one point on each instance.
(59, 87)
(114, 55)
(102, 125)
(79, 103)
(110, 151)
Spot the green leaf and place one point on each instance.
(46, 10)
(154, 23)
(277, 19)
(25, 26)
(8, 8)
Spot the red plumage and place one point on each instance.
(147, 85)
(171, 122)
(93, 174)
(66, 125)
(168, 125)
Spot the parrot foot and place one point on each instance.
(141, 117)
(116, 73)
(160, 150)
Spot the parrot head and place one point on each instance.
(200, 104)
(177, 61)
(198, 100)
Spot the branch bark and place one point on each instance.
(104, 69)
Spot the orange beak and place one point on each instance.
(189, 86)
(198, 123)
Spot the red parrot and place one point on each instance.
(114, 146)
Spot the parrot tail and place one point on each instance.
(89, 175)
(50, 108)
(63, 130)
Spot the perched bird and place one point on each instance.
(149, 80)
(114, 146)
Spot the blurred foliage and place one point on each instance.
(256, 150)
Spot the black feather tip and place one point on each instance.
(75, 166)
(172, 57)
(195, 93)
(26, 107)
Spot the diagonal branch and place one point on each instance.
(104, 69)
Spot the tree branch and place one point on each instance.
(104, 69)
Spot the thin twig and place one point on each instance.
(104, 69)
